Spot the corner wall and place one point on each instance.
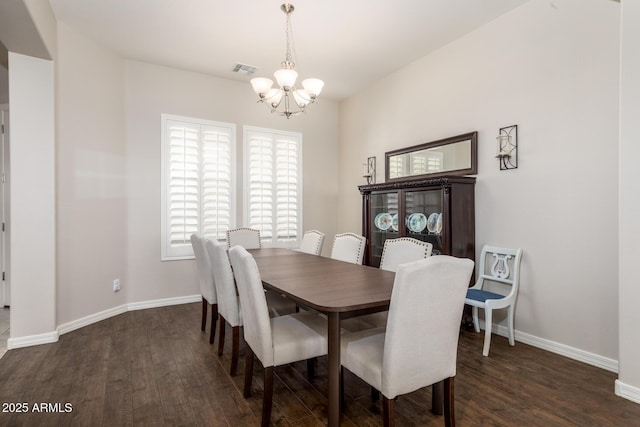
(628, 384)
(552, 68)
(32, 182)
(91, 177)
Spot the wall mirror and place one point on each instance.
(457, 155)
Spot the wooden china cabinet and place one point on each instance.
(435, 210)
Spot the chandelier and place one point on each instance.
(287, 100)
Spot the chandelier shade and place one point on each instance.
(287, 100)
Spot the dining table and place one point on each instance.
(337, 289)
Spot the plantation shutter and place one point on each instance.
(198, 174)
(273, 185)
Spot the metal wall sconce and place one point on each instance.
(508, 147)
(369, 170)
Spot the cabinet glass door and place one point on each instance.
(384, 217)
(425, 217)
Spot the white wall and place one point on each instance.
(152, 90)
(32, 183)
(4, 75)
(628, 384)
(552, 69)
(91, 180)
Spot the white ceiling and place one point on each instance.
(347, 43)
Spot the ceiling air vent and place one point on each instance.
(244, 69)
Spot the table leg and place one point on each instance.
(334, 369)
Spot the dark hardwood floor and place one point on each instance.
(155, 367)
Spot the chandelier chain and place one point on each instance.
(288, 60)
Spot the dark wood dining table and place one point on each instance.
(338, 289)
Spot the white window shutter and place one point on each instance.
(198, 178)
(273, 187)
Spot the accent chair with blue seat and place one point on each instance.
(499, 268)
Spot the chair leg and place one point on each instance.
(449, 408)
(342, 401)
(221, 333)
(311, 369)
(476, 322)
(235, 350)
(204, 314)
(214, 318)
(487, 331)
(248, 372)
(388, 412)
(267, 399)
(512, 338)
(437, 391)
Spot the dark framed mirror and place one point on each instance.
(457, 155)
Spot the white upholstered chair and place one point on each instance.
(248, 238)
(403, 250)
(348, 247)
(496, 287)
(207, 286)
(312, 242)
(420, 344)
(276, 341)
(395, 252)
(228, 302)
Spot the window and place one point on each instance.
(273, 185)
(198, 158)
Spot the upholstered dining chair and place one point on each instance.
(248, 238)
(420, 344)
(207, 286)
(395, 252)
(403, 250)
(228, 302)
(312, 241)
(496, 287)
(348, 247)
(275, 341)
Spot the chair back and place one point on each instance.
(248, 238)
(312, 242)
(502, 266)
(205, 277)
(255, 314)
(228, 303)
(348, 247)
(423, 326)
(403, 250)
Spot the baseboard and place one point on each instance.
(561, 349)
(627, 391)
(143, 305)
(31, 340)
(65, 328)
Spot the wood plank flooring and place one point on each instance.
(155, 367)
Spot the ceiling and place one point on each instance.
(348, 44)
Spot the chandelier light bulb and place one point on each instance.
(286, 78)
(261, 85)
(313, 86)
